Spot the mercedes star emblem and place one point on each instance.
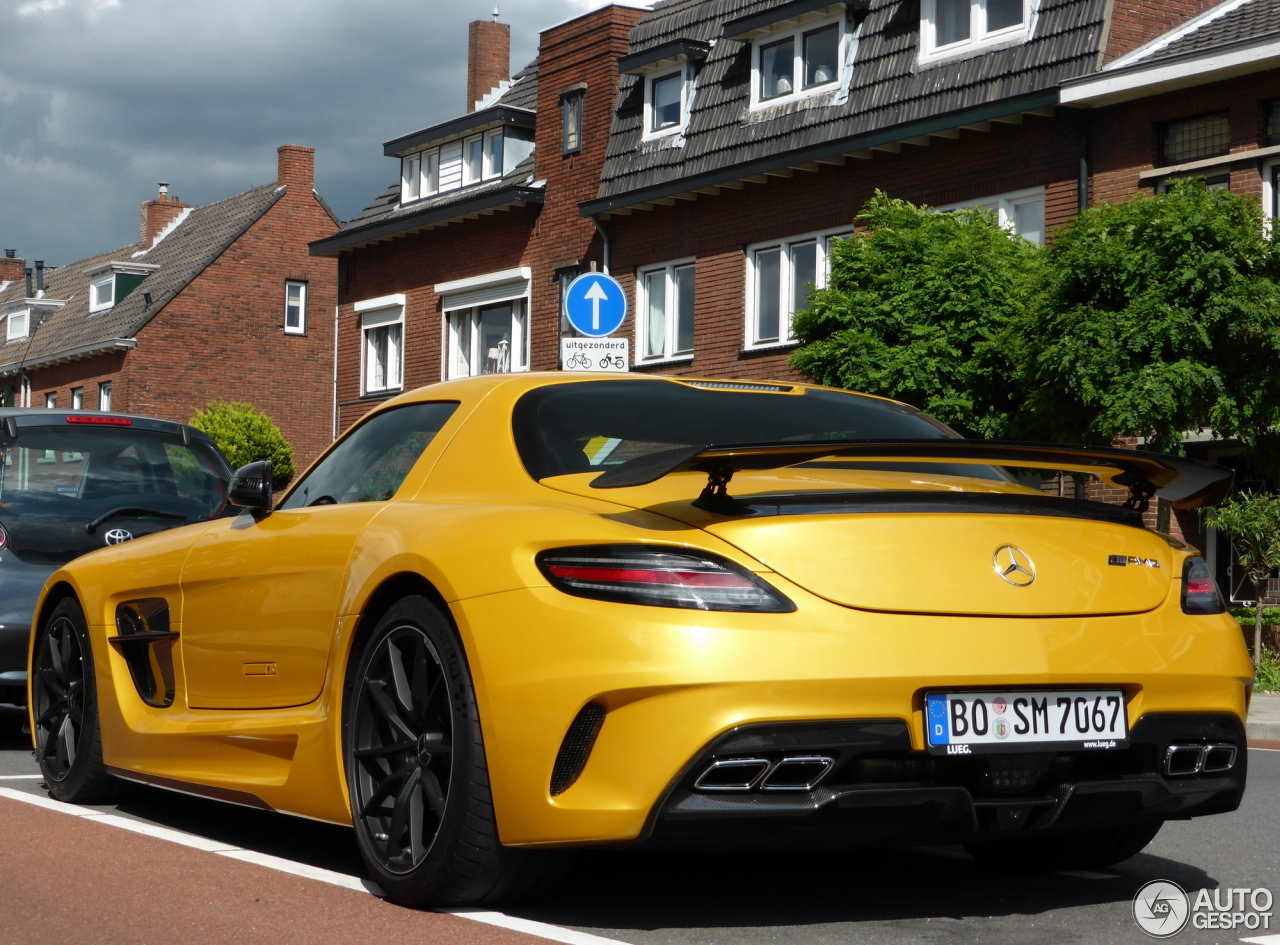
(118, 536)
(1014, 565)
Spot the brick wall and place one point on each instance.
(1126, 136)
(222, 337)
(1133, 23)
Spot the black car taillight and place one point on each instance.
(659, 577)
(1199, 591)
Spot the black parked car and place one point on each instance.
(74, 481)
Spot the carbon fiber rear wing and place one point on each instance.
(1185, 483)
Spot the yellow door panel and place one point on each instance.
(261, 601)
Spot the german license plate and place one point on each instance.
(970, 723)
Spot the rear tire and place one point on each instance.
(416, 770)
(64, 707)
(1080, 850)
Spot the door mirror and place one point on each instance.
(250, 486)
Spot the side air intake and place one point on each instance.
(576, 747)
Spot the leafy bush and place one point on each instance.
(914, 309)
(246, 435)
(1267, 669)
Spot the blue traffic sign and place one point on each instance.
(595, 304)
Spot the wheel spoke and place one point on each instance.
(403, 694)
(416, 847)
(400, 811)
(66, 743)
(377, 690)
(383, 751)
(435, 794)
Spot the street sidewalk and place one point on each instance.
(1264, 718)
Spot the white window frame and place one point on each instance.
(419, 175)
(467, 319)
(979, 36)
(104, 395)
(301, 327)
(18, 324)
(571, 110)
(105, 281)
(1005, 207)
(490, 163)
(670, 300)
(51, 403)
(1270, 195)
(77, 398)
(685, 71)
(822, 240)
(375, 315)
(796, 34)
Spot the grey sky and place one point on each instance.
(101, 99)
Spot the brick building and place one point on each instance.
(458, 267)
(221, 302)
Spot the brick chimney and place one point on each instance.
(11, 266)
(158, 214)
(296, 167)
(488, 58)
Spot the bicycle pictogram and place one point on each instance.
(579, 360)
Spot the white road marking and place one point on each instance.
(1263, 940)
(552, 933)
(21, 777)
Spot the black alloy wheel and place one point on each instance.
(64, 709)
(402, 747)
(416, 770)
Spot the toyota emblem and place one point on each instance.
(118, 536)
(1014, 565)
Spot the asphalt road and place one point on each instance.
(932, 896)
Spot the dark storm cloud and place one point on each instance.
(100, 99)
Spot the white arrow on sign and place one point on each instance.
(597, 295)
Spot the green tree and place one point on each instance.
(246, 435)
(914, 309)
(1251, 520)
(1156, 316)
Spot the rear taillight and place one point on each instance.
(1199, 591)
(659, 577)
(4, 538)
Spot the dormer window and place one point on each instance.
(668, 71)
(18, 324)
(102, 292)
(955, 27)
(802, 62)
(481, 146)
(111, 282)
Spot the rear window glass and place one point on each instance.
(592, 425)
(79, 473)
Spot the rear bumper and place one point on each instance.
(880, 790)
(673, 683)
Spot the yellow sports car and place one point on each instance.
(521, 612)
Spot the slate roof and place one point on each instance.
(1247, 22)
(182, 255)
(891, 96)
(385, 216)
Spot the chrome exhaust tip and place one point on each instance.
(798, 773)
(1183, 760)
(732, 774)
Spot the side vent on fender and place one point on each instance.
(146, 643)
(576, 747)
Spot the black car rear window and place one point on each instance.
(591, 425)
(77, 473)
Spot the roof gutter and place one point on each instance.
(90, 350)
(825, 150)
